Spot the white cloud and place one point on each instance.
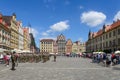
(117, 16)
(55, 29)
(34, 31)
(80, 39)
(48, 31)
(45, 34)
(60, 26)
(92, 18)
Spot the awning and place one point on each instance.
(3, 50)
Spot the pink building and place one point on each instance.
(55, 47)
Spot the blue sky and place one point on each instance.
(73, 18)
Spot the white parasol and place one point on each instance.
(117, 52)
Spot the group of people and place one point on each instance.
(15, 58)
(6, 58)
(106, 59)
(74, 55)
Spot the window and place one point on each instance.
(114, 33)
(100, 45)
(106, 36)
(96, 46)
(118, 31)
(2, 31)
(118, 41)
(114, 42)
(106, 44)
(103, 37)
(103, 45)
(110, 35)
(110, 43)
(96, 40)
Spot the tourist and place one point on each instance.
(13, 61)
(1, 58)
(108, 60)
(55, 57)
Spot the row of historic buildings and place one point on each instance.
(61, 46)
(13, 36)
(106, 39)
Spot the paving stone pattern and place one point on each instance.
(63, 69)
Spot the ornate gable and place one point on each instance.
(61, 37)
(69, 42)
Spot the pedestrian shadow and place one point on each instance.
(116, 68)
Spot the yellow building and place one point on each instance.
(12, 23)
(82, 47)
(106, 39)
(46, 45)
(75, 47)
(78, 47)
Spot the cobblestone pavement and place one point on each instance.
(63, 69)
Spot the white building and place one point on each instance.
(21, 39)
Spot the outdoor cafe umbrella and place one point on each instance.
(95, 52)
(101, 52)
(51, 53)
(2, 50)
(117, 52)
(98, 52)
(26, 51)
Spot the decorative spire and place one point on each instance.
(89, 32)
(29, 25)
(104, 28)
(14, 15)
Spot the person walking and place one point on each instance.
(55, 57)
(16, 59)
(108, 60)
(13, 61)
(8, 56)
(1, 58)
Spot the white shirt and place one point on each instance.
(1, 56)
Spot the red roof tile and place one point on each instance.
(107, 28)
(116, 24)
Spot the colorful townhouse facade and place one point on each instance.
(106, 39)
(61, 42)
(69, 46)
(46, 45)
(61, 46)
(13, 36)
(4, 34)
(26, 43)
(55, 47)
(21, 37)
